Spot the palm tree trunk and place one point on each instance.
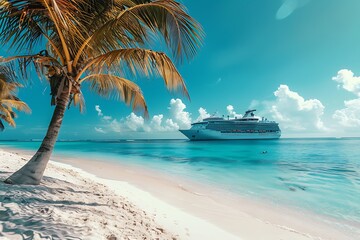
(32, 172)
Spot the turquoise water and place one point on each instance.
(321, 175)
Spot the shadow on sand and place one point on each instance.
(29, 212)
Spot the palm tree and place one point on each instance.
(8, 100)
(103, 43)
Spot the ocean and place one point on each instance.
(318, 175)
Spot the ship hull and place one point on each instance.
(205, 134)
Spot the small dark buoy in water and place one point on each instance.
(264, 152)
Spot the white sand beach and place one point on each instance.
(123, 202)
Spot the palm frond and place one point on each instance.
(1, 124)
(7, 115)
(107, 85)
(79, 100)
(7, 73)
(181, 32)
(25, 23)
(8, 81)
(99, 38)
(17, 104)
(129, 24)
(39, 61)
(14, 25)
(8, 100)
(143, 61)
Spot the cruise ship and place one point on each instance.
(247, 127)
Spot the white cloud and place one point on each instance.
(100, 130)
(170, 125)
(232, 113)
(348, 81)
(97, 108)
(111, 123)
(107, 117)
(114, 125)
(134, 123)
(178, 115)
(254, 103)
(202, 114)
(350, 115)
(157, 124)
(295, 113)
(288, 7)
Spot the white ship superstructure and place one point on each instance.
(247, 127)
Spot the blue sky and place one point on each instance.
(295, 61)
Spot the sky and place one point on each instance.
(296, 61)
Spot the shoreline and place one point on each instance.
(72, 203)
(233, 215)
